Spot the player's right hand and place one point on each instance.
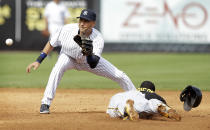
(35, 65)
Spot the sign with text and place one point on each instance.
(155, 21)
(23, 21)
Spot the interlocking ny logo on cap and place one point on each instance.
(85, 12)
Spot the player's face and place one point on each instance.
(85, 25)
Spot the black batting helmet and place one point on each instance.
(191, 96)
(146, 86)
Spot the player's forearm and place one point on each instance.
(48, 48)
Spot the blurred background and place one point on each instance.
(165, 41)
(127, 25)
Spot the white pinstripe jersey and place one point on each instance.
(64, 38)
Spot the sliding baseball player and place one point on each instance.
(131, 104)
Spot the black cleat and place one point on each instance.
(44, 109)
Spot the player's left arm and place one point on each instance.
(94, 58)
(92, 49)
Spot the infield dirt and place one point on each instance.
(85, 109)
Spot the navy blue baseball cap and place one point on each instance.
(88, 15)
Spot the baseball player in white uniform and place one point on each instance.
(81, 48)
(131, 104)
(56, 15)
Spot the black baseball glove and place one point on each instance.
(85, 43)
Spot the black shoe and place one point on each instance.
(44, 109)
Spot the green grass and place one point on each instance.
(169, 71)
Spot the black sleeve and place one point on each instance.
(93, 60)
(149, 96)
